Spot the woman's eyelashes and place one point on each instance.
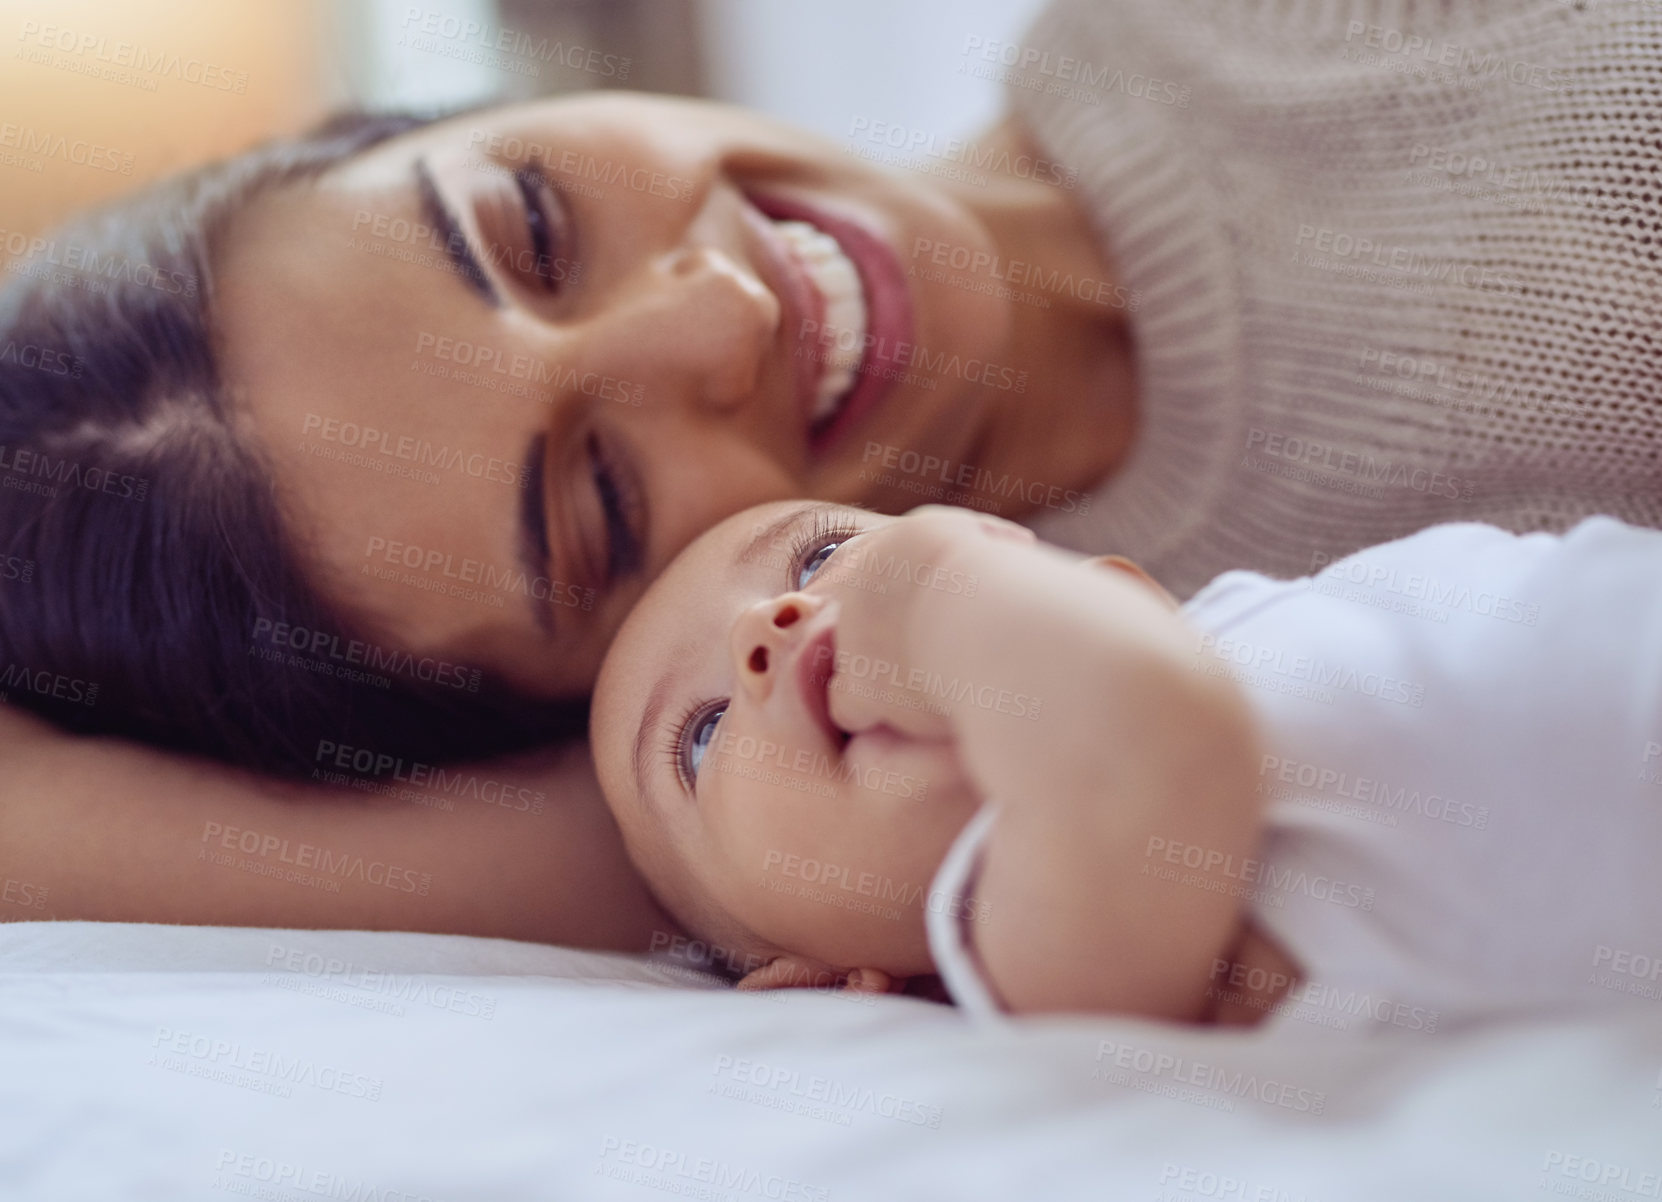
(549, 226)
(620, 507)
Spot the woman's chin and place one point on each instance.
(896, 466)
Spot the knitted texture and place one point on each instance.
(1394, 263)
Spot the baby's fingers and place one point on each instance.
(867, 694)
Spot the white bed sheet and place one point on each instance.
(178, 1063)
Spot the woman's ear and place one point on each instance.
(795, 972)
(1119, 563)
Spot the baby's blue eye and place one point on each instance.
(813, 562)
(699, 733)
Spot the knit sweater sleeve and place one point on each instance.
(1392, 263)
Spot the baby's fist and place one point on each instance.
(885, 583)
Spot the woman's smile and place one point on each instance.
(857, 355)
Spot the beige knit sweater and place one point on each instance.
(1398, 262)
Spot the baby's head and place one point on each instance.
(761, 826)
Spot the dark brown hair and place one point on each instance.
(144, 562)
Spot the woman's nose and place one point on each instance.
(701, 327)
(767, 637)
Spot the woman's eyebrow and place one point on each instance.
(438, 215)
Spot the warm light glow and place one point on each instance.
(256, 60)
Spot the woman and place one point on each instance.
(1226, 289)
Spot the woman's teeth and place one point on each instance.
(843, 338)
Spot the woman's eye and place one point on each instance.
(813, 563)
(624, 553)
(545, 221)
(700, 731)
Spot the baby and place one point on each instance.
(1422, 786)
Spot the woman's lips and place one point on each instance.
(888, 313)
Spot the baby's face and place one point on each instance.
(714, 743)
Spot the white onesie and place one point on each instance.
(1463, 759)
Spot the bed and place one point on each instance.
(182, 1063)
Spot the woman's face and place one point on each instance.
(506, 366)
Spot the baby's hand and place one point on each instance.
(887, 582)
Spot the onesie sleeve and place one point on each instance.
(950, 926)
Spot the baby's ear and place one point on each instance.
(1119, 563)
(795, 972)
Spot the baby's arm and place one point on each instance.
(1131, 744)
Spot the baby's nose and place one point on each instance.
(765, 632)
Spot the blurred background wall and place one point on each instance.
(99, 96)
